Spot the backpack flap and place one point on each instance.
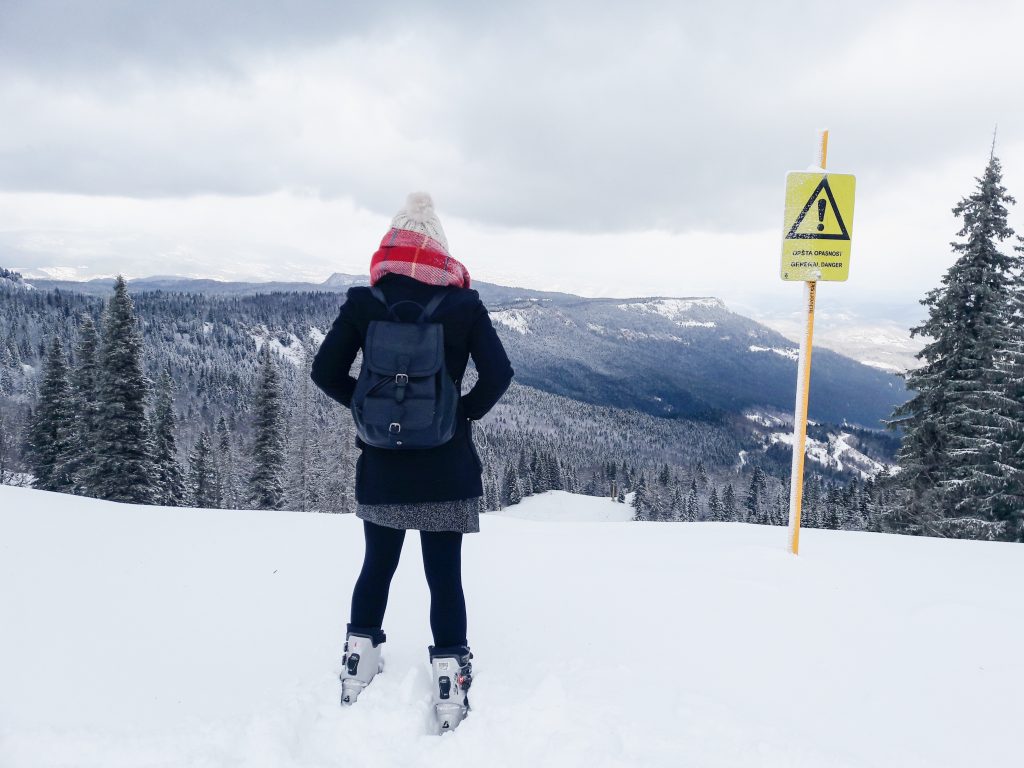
(415, 349)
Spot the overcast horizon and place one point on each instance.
(588, 148)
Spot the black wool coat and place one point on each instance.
(450, 471)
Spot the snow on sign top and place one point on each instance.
(818, 226)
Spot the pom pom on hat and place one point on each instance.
(418, 215)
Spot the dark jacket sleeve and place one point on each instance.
(492, 365)
(334, 359)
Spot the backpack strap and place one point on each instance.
(378, 294)
(433, 304)
(426, 312)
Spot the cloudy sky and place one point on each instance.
(605, 148)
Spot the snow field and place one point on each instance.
(140, 636)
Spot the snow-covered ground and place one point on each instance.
(563, 507)
(176, 637)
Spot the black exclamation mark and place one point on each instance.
(821, 214)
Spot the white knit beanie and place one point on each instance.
(418, 216)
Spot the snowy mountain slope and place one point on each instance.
(155, 637)
(668, 356)
(688, 357)
(839, 449)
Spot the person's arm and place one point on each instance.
(334, 359)
(492, 366)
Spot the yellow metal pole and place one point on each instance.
(803, 386)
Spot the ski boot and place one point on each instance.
(362, 660)
(452, 674)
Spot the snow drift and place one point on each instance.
(136, 636)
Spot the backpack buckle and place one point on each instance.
(401, 379)
(395, 427)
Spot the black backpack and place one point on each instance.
(404, 397)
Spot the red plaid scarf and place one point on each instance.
(418, 256)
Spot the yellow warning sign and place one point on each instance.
(818, 226)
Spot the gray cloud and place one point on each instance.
(588, 117)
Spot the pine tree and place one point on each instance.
(714, 506)
(730, 511)
(170, 482)
(777, 514)
(302, 495)
(266, 483)
(12, 426)
(831, 516)
(702, 476)
(85, 394)
(641, 500)
(950, 458)
(525, 474)
(757, 498)
(1005, 500)
(663, 475)
(123, 470)
(675, 507)
(6, 369)
(512, 492)
(52, 431)
(560, 479)
(692, 503)
(202, 474)
(227, 467)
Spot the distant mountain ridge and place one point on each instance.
(668, 356)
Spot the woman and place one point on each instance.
(434, 490)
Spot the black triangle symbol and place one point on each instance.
(843, 234)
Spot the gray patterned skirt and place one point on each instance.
(461, 515)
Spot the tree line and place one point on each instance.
(102, 429)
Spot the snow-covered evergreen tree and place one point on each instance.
(52, 431)
(952, 457)
(757, 500)
(714, 506)
(12, 466)
(692, 505)
(664, 475)
(266, 484)
(1005, 500)
(202, 474)
(831, 516)
(85, 393)
(641, 500)
(512, 492)
(170, 481)
(301, 486)
(123, 470)
(227, 467)
(730, 510)
(525, 474)
(676, 507)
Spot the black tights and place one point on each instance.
(442, 562)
